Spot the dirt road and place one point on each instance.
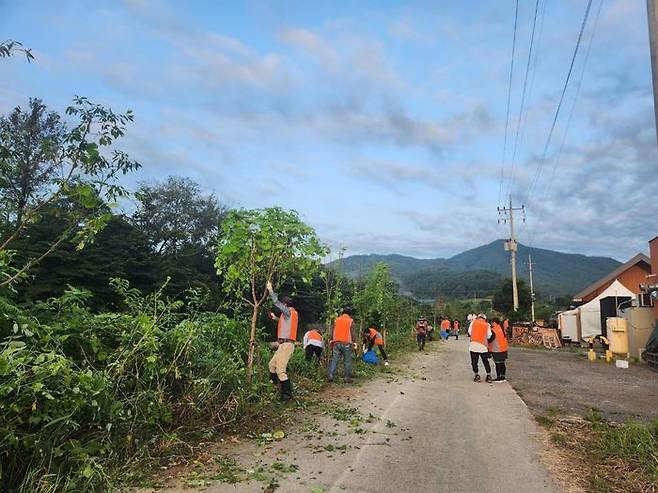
(426, 428)
(566, 383)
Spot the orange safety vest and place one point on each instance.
(456, 325)
(499, 344)
(479, 331)
(314, 335)
(342, 326)
(374, 335)
(445, 324)
(287, 328)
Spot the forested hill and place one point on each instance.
(480, 270)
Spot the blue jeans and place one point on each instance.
(343, 349)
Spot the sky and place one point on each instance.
(382, 123)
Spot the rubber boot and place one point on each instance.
(286, 390)
(274, 378)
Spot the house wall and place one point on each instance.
(653, 253)
(631, 278)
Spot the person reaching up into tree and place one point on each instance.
(286, 335)
(371, 338)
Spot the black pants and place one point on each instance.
(420, 339)
(485, 362)
(313, 350)
(499, 360)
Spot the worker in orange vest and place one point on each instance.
(286, 335)
(455, 329)
(445, 329)
(480, 334)
(342, 342)
(421, 333)
(313, 344)
(371, 338)
(498, 349)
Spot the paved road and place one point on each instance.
(432, 430)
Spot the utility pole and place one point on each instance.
(507, 214)
(532, 291)
(652, 14)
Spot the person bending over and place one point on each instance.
(371, 338)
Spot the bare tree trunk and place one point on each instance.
(252, 345)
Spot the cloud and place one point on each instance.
(399, 100)
(403, 29)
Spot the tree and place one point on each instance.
(88, 166)
(10, 48)
(376, 300)
(503, 300)
(263, 245)
(175, 215)
(32, 141)
(181, 224)
(333, 282)
(120, 250)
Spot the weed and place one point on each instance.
(229, 471)
(595, 418)
(635, 443)
(558, 439)
(544, 421)
(598, 484)
(282, 467)
(553, 412)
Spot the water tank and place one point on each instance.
(617, 334)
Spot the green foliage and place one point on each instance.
(555, 273)
(76, 167)
(120, 250)
(375, 301)
(635, 443)
(260, 245)
(81, 391)
(175, 216)
(452, 283)
(503, 301)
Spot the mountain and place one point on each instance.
(482, 269)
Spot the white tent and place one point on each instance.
(590, 312)
(568, 324)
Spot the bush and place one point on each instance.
(80, 392)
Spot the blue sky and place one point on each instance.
(382, 123)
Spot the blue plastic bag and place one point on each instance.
(370, 357)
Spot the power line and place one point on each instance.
(559, 106)
(525, 84)
(556, 160)
(509, 96)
